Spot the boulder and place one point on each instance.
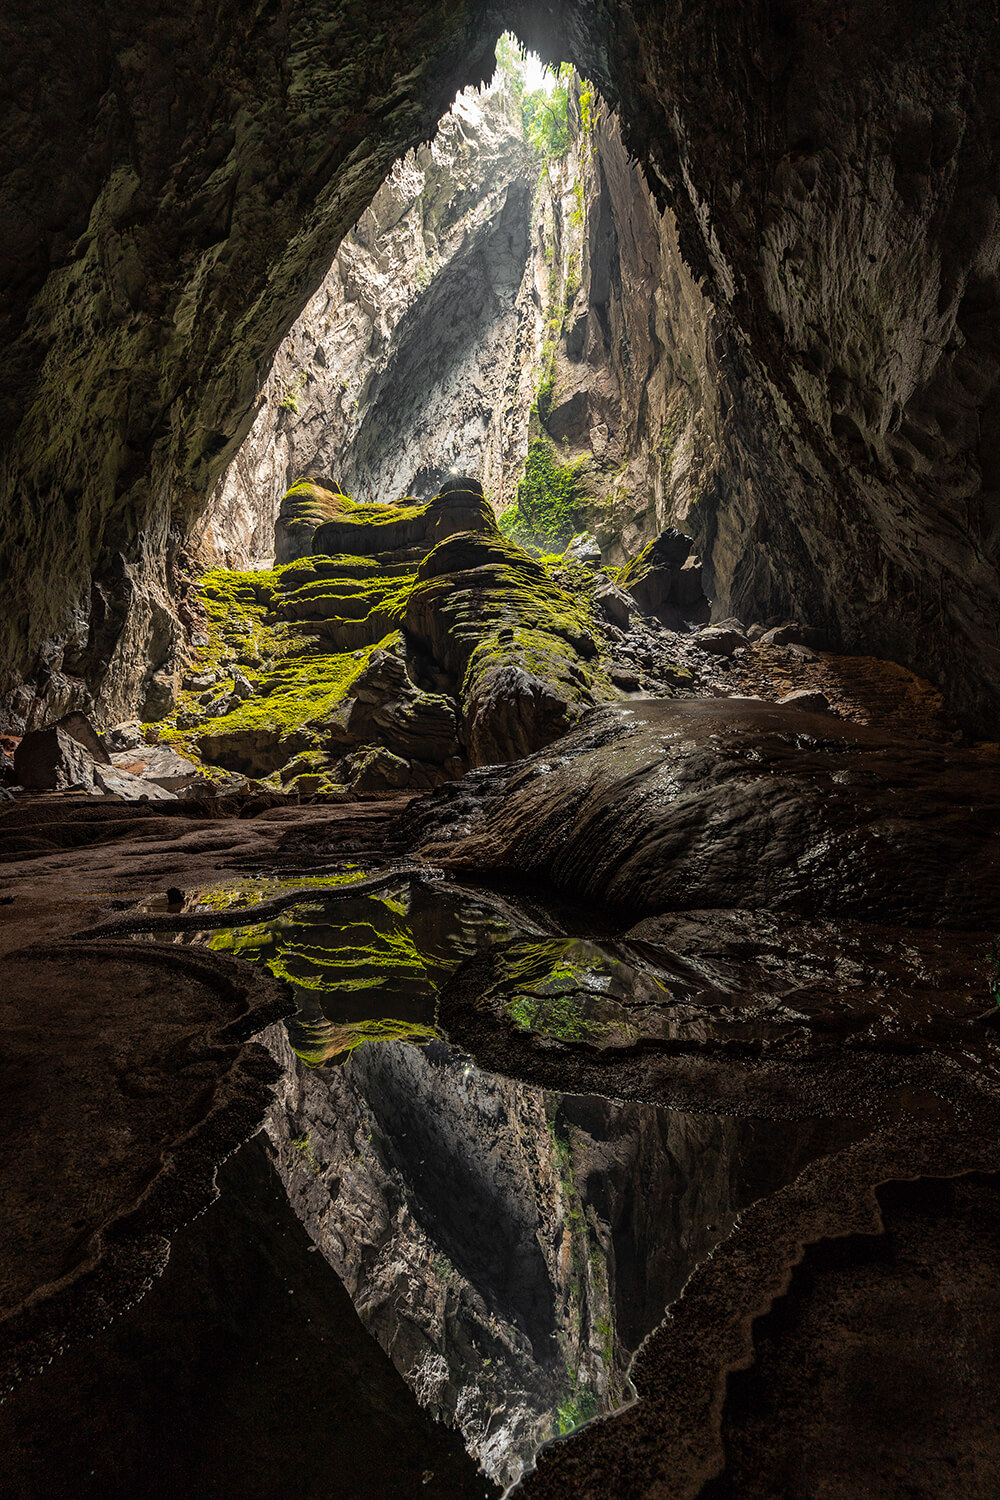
(665, 581)
(793, 634)
(161, 695)
(614, 603)
(125, 736)
(378, 770)
(162, 766)
(242, 687)
(130, 788)
(53, 760)
(583, 548)
(811, 700)
(720, 640)
(80, 727)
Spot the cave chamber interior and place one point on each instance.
(498, 757)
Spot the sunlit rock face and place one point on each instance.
(509, 1248)
(399, 368)
(178, 189)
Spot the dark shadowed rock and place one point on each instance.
(52, 760)
(665, 580)
(735, 803)
(720, 640)
(461, 482)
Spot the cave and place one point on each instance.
(498, 749)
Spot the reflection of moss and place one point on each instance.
(328, 1041)
(559, 1015)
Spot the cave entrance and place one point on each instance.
(475, 322)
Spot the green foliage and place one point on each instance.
(588, 99)
(543, 400)
(549, 493)
(290, 400)
(576, 217)
(545, 118)
(544, 111)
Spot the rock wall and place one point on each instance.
(833, 171)
(396, 371)
(177, 183)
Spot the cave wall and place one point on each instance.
(178, 180)
(833, 171)
(175, 184)
(399, 368)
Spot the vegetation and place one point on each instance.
(545, 110)
(548, 495)
(290, 400)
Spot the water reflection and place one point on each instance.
(508, 1246)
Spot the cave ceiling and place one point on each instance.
(176, 179)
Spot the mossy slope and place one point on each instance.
(430, 645)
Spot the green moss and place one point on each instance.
(548, 495)
(299, 693)
(290, 399)
(333, 1041)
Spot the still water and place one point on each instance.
(509, 1247)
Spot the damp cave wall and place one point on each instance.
(178, 182)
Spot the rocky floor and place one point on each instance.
(816, 896)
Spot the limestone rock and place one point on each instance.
(308, 504)
(665, 581)
(160, 696)
(116, 782)
(810, 700)
(614, 603)
(83, 731)
(53, 760)
(792, 634)
(583, 548)
(375, 530)
(720, 640)
(733, 803)
(378, 770)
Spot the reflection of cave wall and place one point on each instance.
(178, 182)
(508, 1248)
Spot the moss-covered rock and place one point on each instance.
(431, 646)
(521, 652)
(381, 529)
(305, 506)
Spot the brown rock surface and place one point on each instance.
(126, 1079)
(731, 802)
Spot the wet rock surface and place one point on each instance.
(735, 803)
(127, 1077)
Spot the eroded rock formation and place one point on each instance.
(832, 177)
